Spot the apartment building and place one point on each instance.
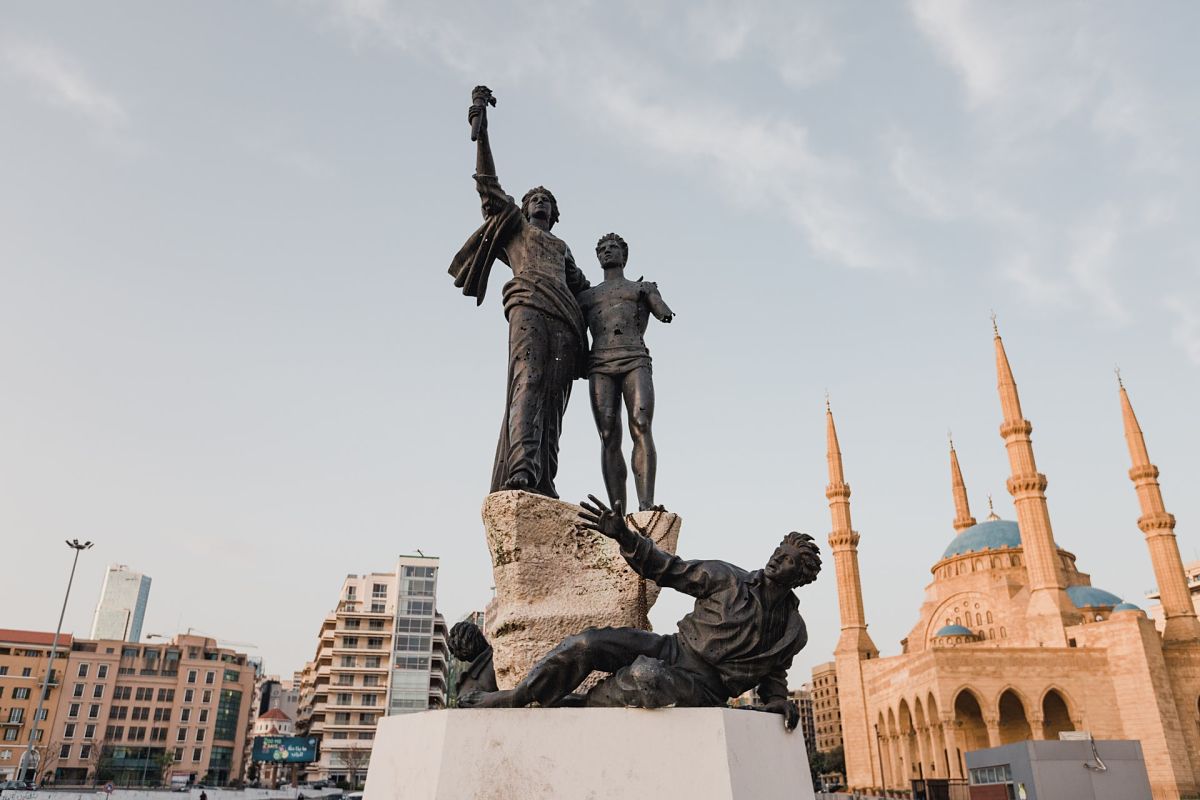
(827, 713)
(138, 714)
(24, 656)
(382, 650)
(804, 703)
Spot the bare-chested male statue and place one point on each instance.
(617, 313)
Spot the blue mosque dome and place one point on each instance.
(1091, 597)
(1126, 607)
(990, 535)
(954, 630)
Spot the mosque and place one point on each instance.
(1013, 642)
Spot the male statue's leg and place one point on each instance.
(528, 351)
(638, 388)
(561, 670)
(606, 410)
(560, 372)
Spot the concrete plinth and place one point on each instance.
(587, 754)
(555, 578)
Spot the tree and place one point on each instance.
(355, 758)
(92, 761)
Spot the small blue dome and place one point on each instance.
(954, 630)
(990, 535)
(1126, 607)
(1091, 597)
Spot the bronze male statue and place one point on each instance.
(468, 644)
(742, 634)
(547, 340)
(617, 312)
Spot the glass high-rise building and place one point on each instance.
(420, 660)
(122, 605)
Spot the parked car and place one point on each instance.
(17, 786)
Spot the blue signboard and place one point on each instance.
(285, 749)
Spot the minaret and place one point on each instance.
(1159, 527)
(962, 509)
(855, 645)
(1048, 600)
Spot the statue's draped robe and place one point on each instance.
(547, 343)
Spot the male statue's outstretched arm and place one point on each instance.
(477, 117)
(696, 578)
(658, 306)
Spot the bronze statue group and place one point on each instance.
(745, 627)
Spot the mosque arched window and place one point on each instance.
(989, 617)
(978, 618)
(991, 633)
(958, 620)
(1003, 634)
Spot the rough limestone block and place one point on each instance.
(586, 754)
(555, 578)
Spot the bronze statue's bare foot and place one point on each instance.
(519, 482)
(500, 699)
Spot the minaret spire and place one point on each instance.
(843, 540)
(854, 646)
(962, 509)
(1048, 601)
(1159, 527)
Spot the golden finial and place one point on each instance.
(1120, 382)
(995, 327)
(827, 408)
(950, 436)
(992, 515)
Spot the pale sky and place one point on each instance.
(232, 356)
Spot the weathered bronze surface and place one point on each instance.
(619, 368)
(468, 644)
(547, 339)
(742, 634)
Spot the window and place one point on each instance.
(228, 710)
(94, 711)
(85, 751)
(379, 590)
(137, 734)
(10, 734)
(366, 735)
(158, 734)
(377, 608)
(373, 662)
(64, 751)
(418, 572)
(27, 672)
(114, 732)
(368, 699)
(419, 608)
(207, 696)
(21, 693)
(413, 643)
(102, 671)
(367, 719)
(353, 623)
(340, 735)
(73, 710)
(89, 732)
(231, 676)
(345, 680)
(351, 591)
(405, 625)
(343, 698)
(144, 694)
(181, 735)
(69, 731)
(122, 693)
(349, 641)
(3, 670)
(189, 695)
(140, 713)
(197, 753)
(83, 671)
(179, 754)
(374, 643)
(341, 718)
(204, 715)
(166, 695)
(185, 715)
(370, 680)
(200, 734)
(162, 715)
(347, 661)
(77, 691)
(210, 678)
(98, 691)
(376, 624)
(191, 676)
(118, 712)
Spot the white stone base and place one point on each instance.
(587, 754)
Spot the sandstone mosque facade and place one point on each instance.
(1013, 642)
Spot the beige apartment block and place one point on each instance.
(804, 704)
(1013, 641)
(24, 656)
(139, 714)
(827, 712)
(382, 650)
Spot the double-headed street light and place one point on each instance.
(29, 760)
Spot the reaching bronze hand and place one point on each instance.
(609, 522)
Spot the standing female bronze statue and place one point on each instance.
(547, 344)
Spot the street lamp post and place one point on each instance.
(75, 545)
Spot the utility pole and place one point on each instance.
(28, 764)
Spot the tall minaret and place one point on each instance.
(855, 645)
(1159, 527)
(1048, 601)
(962, 509)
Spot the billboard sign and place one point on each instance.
(285, 749)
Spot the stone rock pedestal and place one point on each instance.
(586, 754)
(555, 578)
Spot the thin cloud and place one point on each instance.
(59, 82)
(1186, 330)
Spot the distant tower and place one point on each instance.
(1159, 527)
(962, 509)
(122, 605)
(1048, 600)
(855, 645)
